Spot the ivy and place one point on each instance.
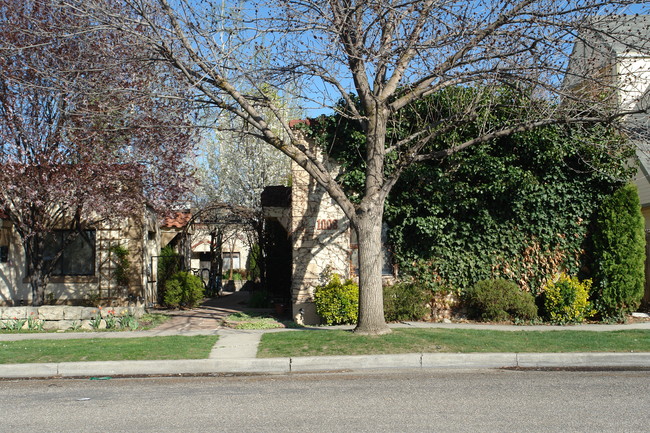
(519, 207)
(122, 265)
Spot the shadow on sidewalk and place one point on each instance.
(210, 314)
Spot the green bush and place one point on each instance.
(500, 300)
(406, 301)
(619, 255)
(253, 263)
(169, 263)
(337, 303)
(566, 300)
(183, 289)
(237, 275)
(123, 264)
(259, 299)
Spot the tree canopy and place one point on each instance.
(84, 135)
(387, 55)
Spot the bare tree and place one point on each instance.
(380, 58)
(83, 135)
(235, 168)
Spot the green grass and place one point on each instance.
(252, 321)
(335, 342)
(152, 320)
(106, 349)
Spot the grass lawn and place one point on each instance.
(106, 349)
(336, 342)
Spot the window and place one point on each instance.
(230, 260)
(4, 253)
(78, 257)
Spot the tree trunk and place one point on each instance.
(214, 278)
(371, 305)
(38, 290)
(36, 276)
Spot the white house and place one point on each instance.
(616, 60)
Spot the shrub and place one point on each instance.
(253, 263)
(499, 300)
(123, 264)
(337, 303)
(259, 299)
(619, 255)
(406, 301)
(566, 300)
(237, 275)
(169, 263)
(183, 289)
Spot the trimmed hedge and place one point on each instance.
(500, 300)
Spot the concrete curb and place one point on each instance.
(588, 360)
(327, 363)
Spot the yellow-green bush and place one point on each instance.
(566, 300)
(337, 303)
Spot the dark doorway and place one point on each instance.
(278, 253)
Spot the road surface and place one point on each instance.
(399, 401)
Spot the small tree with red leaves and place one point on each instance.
(84, 134)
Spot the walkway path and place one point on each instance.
(209, 316)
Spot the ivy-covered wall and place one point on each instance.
(520, 207)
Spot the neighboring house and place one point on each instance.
(619, 59)
(86, 270)
(234, 251)
(235, 246)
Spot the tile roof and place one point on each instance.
(177, 220)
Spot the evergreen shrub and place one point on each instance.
(619, 255)
(259, 299)
(566, 300)
(406, 301)
(237, 275)
(337, 303)
(253, 263)
(169, 263)
(499, 300)
(183, 289)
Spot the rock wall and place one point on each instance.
(63, 317)
(321, 240)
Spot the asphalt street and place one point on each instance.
(422, 401)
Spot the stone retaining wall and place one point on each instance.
(62, 317)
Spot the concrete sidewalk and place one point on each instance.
(235, 352)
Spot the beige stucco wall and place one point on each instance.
(234, 241)
(321, 240)
(74, 289)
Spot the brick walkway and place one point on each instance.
(209, 316)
